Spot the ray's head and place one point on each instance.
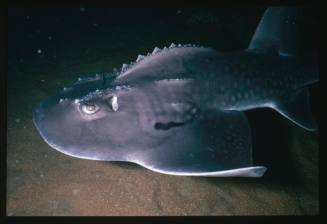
(84, 122)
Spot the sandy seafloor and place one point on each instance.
(42, 181)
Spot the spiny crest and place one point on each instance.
(140, 57)
(116, 72)
(124, 67)
(155, 51)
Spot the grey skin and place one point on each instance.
(180, 110)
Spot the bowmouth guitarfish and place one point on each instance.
(180, 110)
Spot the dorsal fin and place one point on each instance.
(280, 30)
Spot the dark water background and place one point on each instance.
(50, 46)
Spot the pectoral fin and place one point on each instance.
(219, 144)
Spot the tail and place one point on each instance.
(292, 32)
(297, 109)
(308, 72)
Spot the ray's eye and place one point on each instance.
(89, 108)
(114, 103)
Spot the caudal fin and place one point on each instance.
(297, 109)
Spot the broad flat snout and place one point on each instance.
(61, 126)
(38, 116)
